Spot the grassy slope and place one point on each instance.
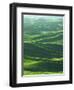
(43, 53)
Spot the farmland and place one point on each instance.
(43, 45)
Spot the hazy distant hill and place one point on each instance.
(37, 24)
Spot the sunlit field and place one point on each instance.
(43, 45)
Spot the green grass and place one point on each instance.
(43, 46)
(29, 73)
(43, 66)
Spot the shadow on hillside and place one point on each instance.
(48, 51)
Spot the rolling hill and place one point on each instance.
(43, 45)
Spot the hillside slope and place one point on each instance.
(43, 45)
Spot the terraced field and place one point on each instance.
(43, 45)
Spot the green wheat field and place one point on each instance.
(42, 45)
